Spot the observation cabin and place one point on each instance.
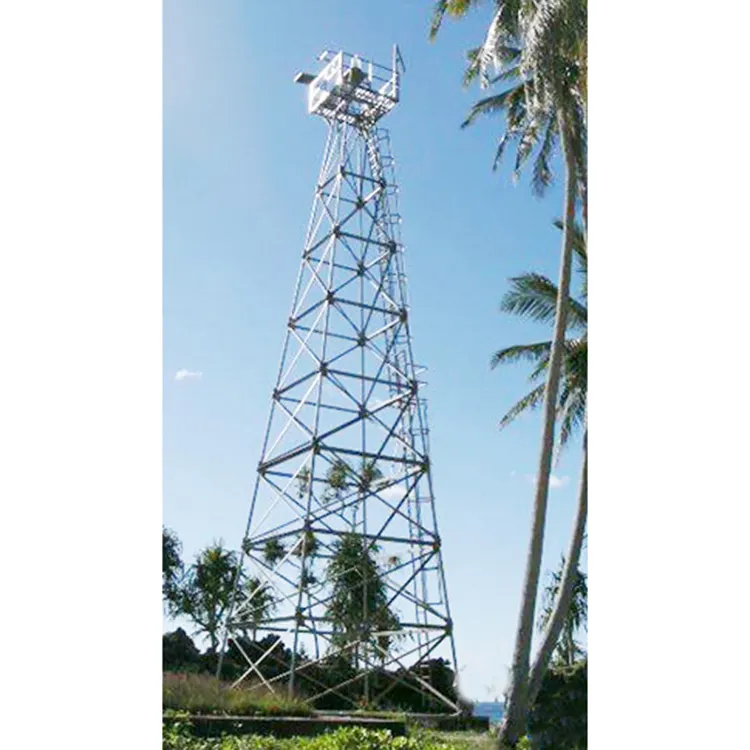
(351, 89)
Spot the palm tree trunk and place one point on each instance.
(567, 584)
(514, 723)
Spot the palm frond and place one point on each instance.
(438, 13)
(539, 370)
(579, 240)
(528, 139)
(531, 296)
(534, 296)
(501, 146)
(528, 403)
(490, 105)
(455, 8)
(542, 173)
(521, 352)
(472, 69)
(572, 417)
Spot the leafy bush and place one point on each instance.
(558, 719)
(202, 694)
(179, 652)
(350, 738)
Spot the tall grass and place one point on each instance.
(203, 694)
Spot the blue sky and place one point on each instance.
(241, 157)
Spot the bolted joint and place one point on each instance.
(299, 617)
(392, 247)
(363, 413)
(403, 314)
(291, 324)
(360, 203)
(330, 298)
(336, 231)
(449, 627)
(324, 369)
(414, 385)
(275, 395)
(425, 465)
(361, 339)
(315, 446)
(436, 544)
(360, 269)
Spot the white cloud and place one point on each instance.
(394, 492)
(187, 375)
(555, 482)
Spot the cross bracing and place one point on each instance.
(345, 461)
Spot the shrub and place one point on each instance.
(179, 652)
(558, 719)
(350, 738)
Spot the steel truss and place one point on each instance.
(347, 398)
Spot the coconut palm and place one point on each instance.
(567, 651)
(540, 46)
(534, 296)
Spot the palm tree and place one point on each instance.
(273, 551)
(567, 651)
(206, 592)
(261, 604)
(358, 606)
(337, 479)
(540, 46)
(534, 296)
(567, 589)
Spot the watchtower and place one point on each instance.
(342, 596)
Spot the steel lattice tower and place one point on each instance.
(345, 458)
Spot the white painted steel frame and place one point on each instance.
(350, 306)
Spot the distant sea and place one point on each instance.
(493, 709)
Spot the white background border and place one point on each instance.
(80, 374)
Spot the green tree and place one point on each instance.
(206, 593)
(273, 551)
(358, 607)
(337, 480)
(303, 482)
(539, 46)
(171, 568)
(369, 474)
(307, 546)
(261, 604)
(567, 651)
(534, 296)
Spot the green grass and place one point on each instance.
(202, 694)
